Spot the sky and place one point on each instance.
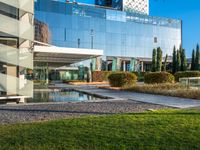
(186, 10)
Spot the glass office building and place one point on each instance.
(124, 36)
(114, 34)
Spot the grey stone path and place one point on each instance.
(141, 97)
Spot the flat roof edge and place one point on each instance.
(65, 50)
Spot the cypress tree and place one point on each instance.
(153, 69)
(183, 60)
(178, 67)
(159, 59)
(197, 59)
(165, 63)
(193, 60)
(174, 61)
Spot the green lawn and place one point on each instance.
(167, 129)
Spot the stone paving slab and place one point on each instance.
(142, 97)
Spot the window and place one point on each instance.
(13, 42)
(9, 11)
(155, 40)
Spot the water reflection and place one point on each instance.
(58, 96)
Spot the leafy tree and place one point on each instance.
(165, 63)
(183, 60)
(178, 65)
(197, 59)
(193, 60)
(153, 69)
(174, 61)
(159, 59)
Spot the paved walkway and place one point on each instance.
(141, 97)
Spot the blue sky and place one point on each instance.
(188, 11)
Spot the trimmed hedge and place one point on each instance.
(186, 74)
(100, 76)
(122, 79)
(158, 77)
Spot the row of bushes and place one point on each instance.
(165, 77)
(121, 79)
(126, 79)
(100, 76)
(186, 74)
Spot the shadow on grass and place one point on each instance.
(150, 113)
(54, 111)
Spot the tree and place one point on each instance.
(178, 65)
(193, 60)
(153, 68)
(165, 63)
(180, 53)
(174, 61)
(183, 60)
(159, 59)
(197, 59)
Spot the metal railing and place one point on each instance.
(191, 82)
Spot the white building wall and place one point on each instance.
(138, 6)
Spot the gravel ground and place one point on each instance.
(39, 112)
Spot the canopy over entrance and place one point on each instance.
(58, 56)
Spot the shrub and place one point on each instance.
(158, 77)
(100, 76)
(122, 79)
(186, 74)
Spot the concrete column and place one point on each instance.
(106, 65)
(133, 64)
(124, 65)
(93, 64)
(98, 63)
(118, 64)
(47, 74)
(142, 66)
(114, 64)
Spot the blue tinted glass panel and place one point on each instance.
(117, 33)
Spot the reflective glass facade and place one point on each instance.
(118, 33)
